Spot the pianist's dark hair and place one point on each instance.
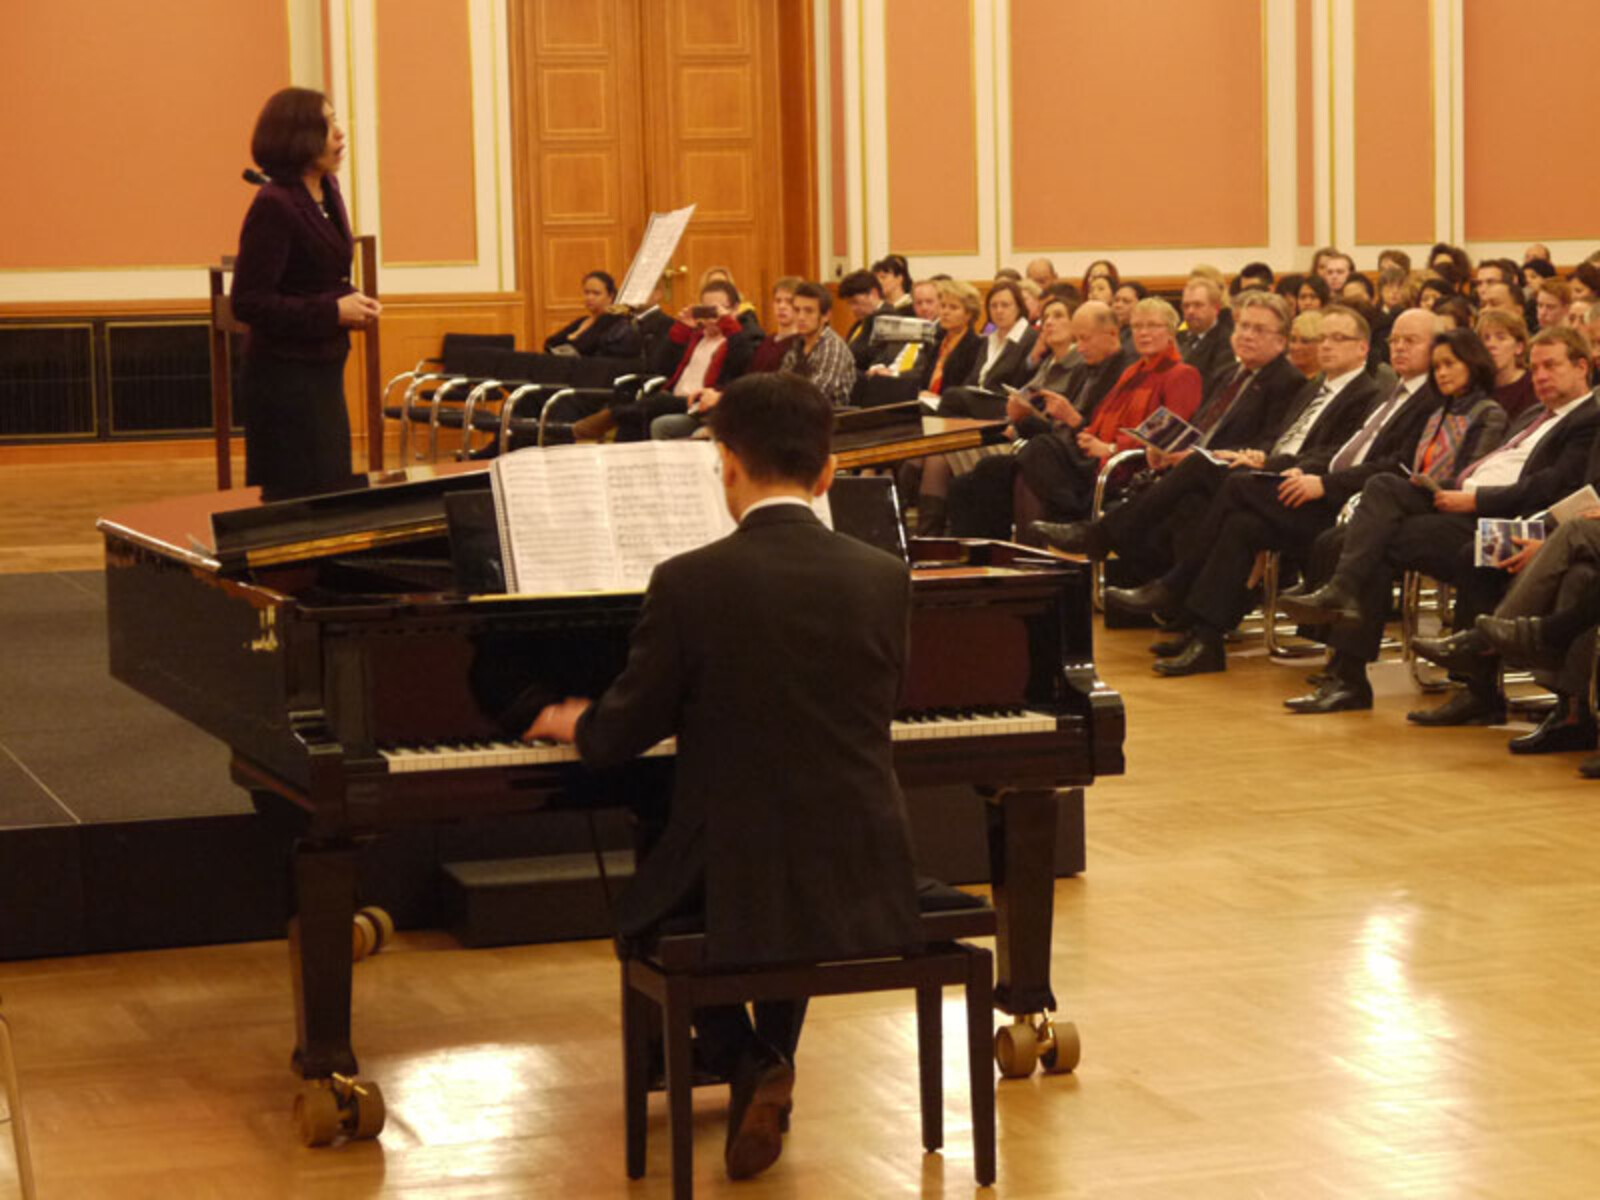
(290, 133)
(779, 424)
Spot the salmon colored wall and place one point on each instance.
(124, 125)
(1305, 126)
(838, 171)
(1178, 124)
(1394, 122)
(424, 67)
(1530, 168)
(933, 145)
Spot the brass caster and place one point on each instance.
(382, 925)
(327, 1109)
(1059, 1049)
(1016, 1049)
(363, 937)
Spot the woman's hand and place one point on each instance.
(356, 310)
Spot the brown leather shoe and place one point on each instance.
(594, 427)
(761, 1092)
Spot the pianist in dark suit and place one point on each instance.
(775, 656)
(291, 285)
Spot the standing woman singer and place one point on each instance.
(291, 285)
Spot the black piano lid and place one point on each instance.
(387, 508)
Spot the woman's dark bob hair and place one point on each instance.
(1468, 347)
(290, 133)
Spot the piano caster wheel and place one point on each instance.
(1059, 1049)
(372, 930)
(327, 1109)
(1016, 1049)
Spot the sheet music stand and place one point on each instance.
(224, 324)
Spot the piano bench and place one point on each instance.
(672, 977)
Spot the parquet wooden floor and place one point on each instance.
(1311, 957)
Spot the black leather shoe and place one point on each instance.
(1201, 656)
(1461, 652)
(761, 1091)
(1556, 734)
(1466, 707)
(1518, 640)
(1072, 537)
(1333, 695)
(1330, 602)
(1147, 600)
(1171, 647)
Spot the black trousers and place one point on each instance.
(296, 429)
(1150, 526)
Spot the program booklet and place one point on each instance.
(1570, 508)
(599, 518)
(1496, 540)
(1166, 431)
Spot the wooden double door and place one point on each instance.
(628, 107)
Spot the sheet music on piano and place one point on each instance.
(590, 518)
(661, 237)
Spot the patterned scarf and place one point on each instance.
(1443, 437)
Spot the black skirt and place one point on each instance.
(296, 429)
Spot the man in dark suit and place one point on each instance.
(1401, 527)
(1246, 413)
(1208, 329)
(775, 656)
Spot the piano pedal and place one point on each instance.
(1033, 1039)
(339, 1106)
(371, 931)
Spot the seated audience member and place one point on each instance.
(1396, 292)
(901, 359)
(1159, 379)
(1252, 277)
(769, 354)
(1455, 312)
(1129, 292)
(1032, 298)
(949, 361)
(1050, 474)
(894, 282)
(1394, 260)
(1551, 300)
(1534, 270)
(1313, 294)
(816, 352)
(776, 657)
(1288, 504)
(1105, 270)
(602, 330)
(1433, 291)
(713, 350)
(1335, 268)
(1010, 274)
(1577, 314)
(1591, 329)
(1505, 336)
(749, 319)
(1585, 282)
(925, 299)
(1400, 526)
(1288, 286)
(1452, 262)
(1538, 251)
(1042, 271)
(1003, 355)
(1305, 335)
(859, 290)
(1208, 328)
(1506, 297)
(1358, 289)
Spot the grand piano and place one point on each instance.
(328, 643)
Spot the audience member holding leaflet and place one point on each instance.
(775, 656)
(601, 330)
(291, 285)
(1401, 526)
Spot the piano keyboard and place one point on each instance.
(920, 727)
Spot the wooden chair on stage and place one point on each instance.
(13, 1112)
(225, 327)
(668, 980)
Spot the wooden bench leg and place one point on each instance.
(980, 1061)
(636, 1013)
(930, 1065)
(677, 1013)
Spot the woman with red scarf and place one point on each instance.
(1159, 379)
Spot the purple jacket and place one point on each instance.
(292, 267)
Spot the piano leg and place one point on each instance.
(324, 881)
(1022, 870)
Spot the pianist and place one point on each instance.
(775, 656)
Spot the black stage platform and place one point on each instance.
(120, 828)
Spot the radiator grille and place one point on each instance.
(159, 378)
(47, 381)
